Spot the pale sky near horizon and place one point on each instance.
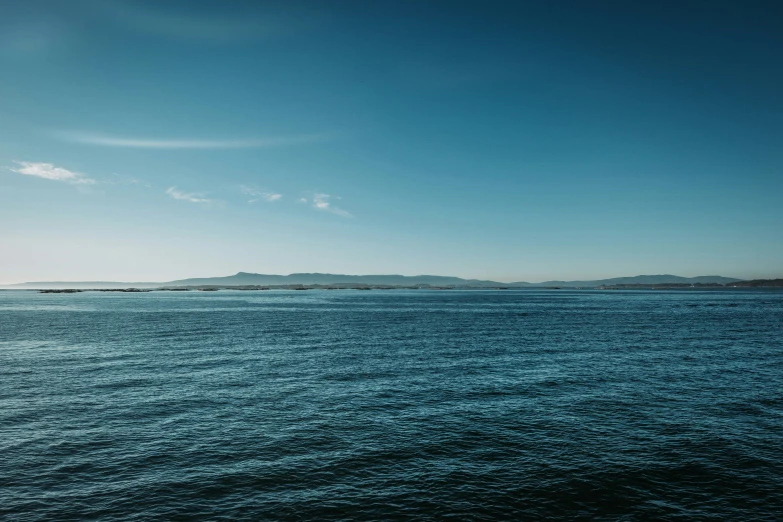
(512, 141)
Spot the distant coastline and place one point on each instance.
(246, 279)
(336, 282)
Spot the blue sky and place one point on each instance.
(149, 141)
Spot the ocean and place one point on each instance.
(392, 405)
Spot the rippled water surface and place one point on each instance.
(391, 404)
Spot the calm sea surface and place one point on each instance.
(391, 405)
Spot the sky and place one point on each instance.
(512, 141)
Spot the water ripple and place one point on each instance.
(419, 404)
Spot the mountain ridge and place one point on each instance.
(644, 280)
(316, 278)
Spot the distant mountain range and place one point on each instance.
(244, 278)
(250, 279)
(665, 279)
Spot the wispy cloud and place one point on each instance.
(193, 197)
(30, 33)
(121, 179)
(49, 171)
(250, 22)
(321, 202)
(257, 194)
(143, 143)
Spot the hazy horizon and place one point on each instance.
(218, 276)
(411, 274)
(148, 141)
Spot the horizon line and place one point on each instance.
(466, 279)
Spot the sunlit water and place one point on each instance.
(391, 404)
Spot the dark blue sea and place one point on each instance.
(402, 404)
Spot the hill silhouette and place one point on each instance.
(252, 279)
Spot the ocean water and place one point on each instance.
(320, 405)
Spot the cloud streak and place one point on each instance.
(321, 202)
(257, 194)
(141, 143)
(49, 171)
(121, 179)
(238, 26)
(192, 197)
